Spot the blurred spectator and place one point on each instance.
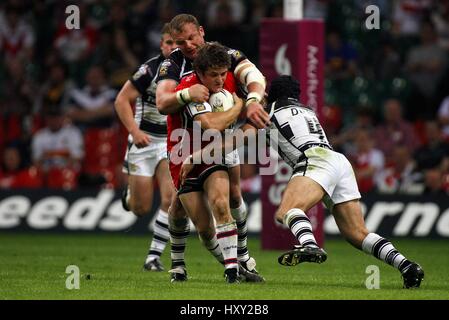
(344, 140)
(225, 29)
(367, 161)
(443, 117)
(18, 92)
(56, 89)
(407, 16)
(236, 10)
(425, 65)
(75, 45)
(115, 55)
(166, 11)
(57, 145)
(435, 150)
(258, 11)
(434, 182)
(387, 61)
(14, 175)
(92, 106)
(341, 57)
(440, 19)
(394, 131)
(16, 35)
(401, 176)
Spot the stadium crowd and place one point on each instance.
(386, 90)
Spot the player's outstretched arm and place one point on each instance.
(123, 105)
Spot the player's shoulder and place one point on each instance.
(187, 81)
(148, 68)
(190, 79)
(234, 53)
(176, 56)
(155, 61)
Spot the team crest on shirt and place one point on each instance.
(163, 70)
(234, 53)
(142, 70)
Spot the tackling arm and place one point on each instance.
(123, 105)
(169, 101)
(248, 75)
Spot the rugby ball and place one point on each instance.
(221, 101)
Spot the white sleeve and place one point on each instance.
(443, 110)
(194, 108)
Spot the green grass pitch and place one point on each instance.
(32, 266)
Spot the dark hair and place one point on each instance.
(178, 22)
(211, 55)
(283, 87)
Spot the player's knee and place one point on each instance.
(175, 211)
(140, 210)
(220, 205)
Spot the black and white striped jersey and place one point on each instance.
(298, 129)
(147, 116)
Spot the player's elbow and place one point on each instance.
(162, 106)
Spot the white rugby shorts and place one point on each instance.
(331, 170)
(143, 161)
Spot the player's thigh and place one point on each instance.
(141, 191)
(349, 218)
(197, 210)
(166, 187)
(216, 187)
(235, 193)
(302, 193)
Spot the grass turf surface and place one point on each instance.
(32, 266)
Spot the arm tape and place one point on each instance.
(249, 73)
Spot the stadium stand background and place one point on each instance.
(370, 76)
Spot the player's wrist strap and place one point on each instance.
(253, 97)
(183, 96)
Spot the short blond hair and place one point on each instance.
(178, 22)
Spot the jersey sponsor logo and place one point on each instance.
(142, 71)
(200, 107)
(163, 70)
